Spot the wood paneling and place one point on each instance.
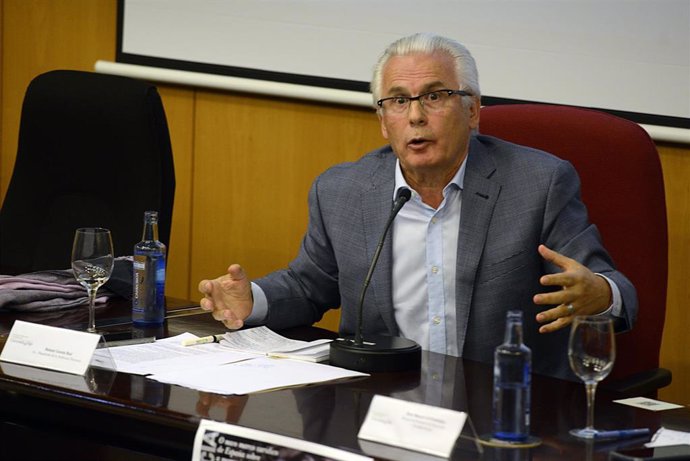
(179, 110)
(255, 159)
(675, 347)
(43, 35)
(244, 163)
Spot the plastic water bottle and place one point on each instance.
(148, 300)
(512, 381)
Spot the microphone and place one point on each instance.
(380, 353)
(401, 199)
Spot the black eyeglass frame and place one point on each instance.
(419, 96)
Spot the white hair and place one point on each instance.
(465, 67)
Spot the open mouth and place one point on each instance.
(418, 142)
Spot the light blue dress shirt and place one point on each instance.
(425, 244)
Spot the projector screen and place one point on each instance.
(631, 58)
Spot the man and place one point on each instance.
(491, 226)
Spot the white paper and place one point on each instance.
(255, 375)
(169, 355)
(667, 437)
(413, 426)
(221, 441)
(648, 404)
(54, 348)
(264, 340)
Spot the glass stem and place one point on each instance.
(591, 389)
(92, 309)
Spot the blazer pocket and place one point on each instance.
(502, 267)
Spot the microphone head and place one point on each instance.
(404, 194)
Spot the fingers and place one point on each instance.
(236, 272)
(233, 324)
(204, 287)
(228, 297)
(555, 257)
(570, 268)
(556, 318)
(574, 296)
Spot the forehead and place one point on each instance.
(419, 71)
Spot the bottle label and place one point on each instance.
(148, 298)
(139, 281)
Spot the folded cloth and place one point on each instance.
(54, 290)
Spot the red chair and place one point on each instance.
(623, 188)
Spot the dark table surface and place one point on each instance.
(106, 415)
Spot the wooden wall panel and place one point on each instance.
(255, 159)
(43, 35)
(179, 111)
(675, 347)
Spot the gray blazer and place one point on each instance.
(514, 198)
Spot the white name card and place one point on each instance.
(49, 347)
(217, 441)
(413, 426)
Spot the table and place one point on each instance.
(108, 415)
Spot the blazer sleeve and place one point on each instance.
(302, 293)
(567, 230)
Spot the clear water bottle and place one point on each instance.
(512, 382)
(148, 300)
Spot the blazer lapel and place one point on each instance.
(479, 198)
(376, 205)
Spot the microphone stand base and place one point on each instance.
(376, 354)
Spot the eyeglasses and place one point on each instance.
(431, 102)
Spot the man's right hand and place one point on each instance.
(229, 297)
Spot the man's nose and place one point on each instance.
(416, 113)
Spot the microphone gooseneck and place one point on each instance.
(402, 196)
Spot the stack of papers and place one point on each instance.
(241, 363)
(262, 340)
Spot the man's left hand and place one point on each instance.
(582, 292)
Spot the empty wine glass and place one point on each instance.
(92, 263)
(591, 352)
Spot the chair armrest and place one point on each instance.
(645, 383)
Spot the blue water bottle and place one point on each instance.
(148, 299)
(512, 382)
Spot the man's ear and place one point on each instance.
(474, 112)
(384, 130)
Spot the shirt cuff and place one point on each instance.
(616, 307)
(260, 308)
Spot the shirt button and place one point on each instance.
(436, 320)
(433, 220)
(434, 270)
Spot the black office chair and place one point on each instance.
(94, 150)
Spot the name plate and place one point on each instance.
(413, 426)
(217, 441)
(49, 347)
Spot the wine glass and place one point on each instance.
(591, 352)
(92, 263)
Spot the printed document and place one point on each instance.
(169, 354)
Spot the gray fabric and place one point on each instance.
(514, 198)
(55, 290)
(44, 291)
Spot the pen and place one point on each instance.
(621, 434)
(203, 340)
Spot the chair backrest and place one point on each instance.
(94, 150)
(623, 189)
